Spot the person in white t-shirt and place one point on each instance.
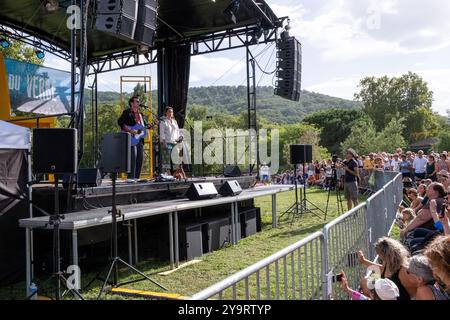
(264, 173)
(420, 165)
(395, 163)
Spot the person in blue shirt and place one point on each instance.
(405, 167)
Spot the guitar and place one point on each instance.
(142, 133)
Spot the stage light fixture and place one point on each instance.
(50, 5)
(257, 34)
(4, 43)
(232, 10)
(39, 54)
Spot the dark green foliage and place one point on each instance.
(335, 124)
(406, 97)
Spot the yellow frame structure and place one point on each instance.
(148, 144)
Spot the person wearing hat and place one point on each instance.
(380, 289)
(350, 166)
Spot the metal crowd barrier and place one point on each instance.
(306, 270)
(344, 237)
(293, 273)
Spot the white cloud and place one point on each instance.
(55, 62)
(345, 30)
(207, 68)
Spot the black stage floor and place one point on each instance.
(92, 198)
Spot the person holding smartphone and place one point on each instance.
(383, 289)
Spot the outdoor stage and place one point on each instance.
(174, 209)
(126, 193)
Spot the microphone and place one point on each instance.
(143, 106)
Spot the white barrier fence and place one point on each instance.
(305, 270)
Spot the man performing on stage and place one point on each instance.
(132, 121)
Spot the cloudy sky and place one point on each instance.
(343, 41)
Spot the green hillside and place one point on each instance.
(233, 100)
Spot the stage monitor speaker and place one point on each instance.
(201, 191)
(118, 17)
(88, 178)
(146, 22)
(116, 153)
(55, 151)
(301, 154)
(230, 189)
(232, 172)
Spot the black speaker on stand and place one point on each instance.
(47, 161)
(301, 154)
(116, 158)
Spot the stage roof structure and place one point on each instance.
(179, 22)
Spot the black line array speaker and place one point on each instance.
(201, 191)
(55, 151)
(147, 22)
(232, 172)
(134, 20)
(116, 153)
(301, 154)
(118, 17)
(230, 188)
(289, 67)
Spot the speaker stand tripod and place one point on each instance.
(301, 205)
(58, 275)
(335, 185)
(113, 268)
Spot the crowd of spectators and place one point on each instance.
(416, 267)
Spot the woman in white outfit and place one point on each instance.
(170, 136)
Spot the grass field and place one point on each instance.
(218, 265)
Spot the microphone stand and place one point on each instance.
(191, 129)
